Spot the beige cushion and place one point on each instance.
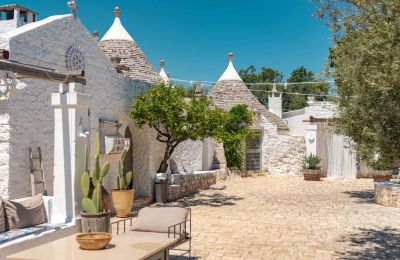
(2, 217)
(25, 213)
(159, 219)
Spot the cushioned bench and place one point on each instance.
(19, 218)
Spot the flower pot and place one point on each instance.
(381, 176)
(95, 222)
(312, 174)
(123, 200)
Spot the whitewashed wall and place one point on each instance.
(30, 116)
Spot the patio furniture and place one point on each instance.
(129, 246)
(175, 222)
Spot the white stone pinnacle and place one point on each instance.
(117, 30)
(230, 72)
(162, 73)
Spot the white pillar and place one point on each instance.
(30, 17)
(311, 139)
(71, 116)
(17, 13)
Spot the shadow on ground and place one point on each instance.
(371, 244)
(212, 200)
(362, 196)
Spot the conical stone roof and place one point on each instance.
(230, 90)
(120, 47)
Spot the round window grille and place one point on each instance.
(75, 58)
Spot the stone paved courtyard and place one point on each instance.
(288, 218)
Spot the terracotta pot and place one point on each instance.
(95, 222)
(381, 176)
(123, 200)
(312, 174)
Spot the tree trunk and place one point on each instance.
(169, 149)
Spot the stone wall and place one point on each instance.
(282, 154)
(321, 110)
(184, 184)
(386, 194)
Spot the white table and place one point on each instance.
(132, 245)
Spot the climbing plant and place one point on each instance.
(235, 133)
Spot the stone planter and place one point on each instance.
(382, 176)
(123, 200)
(312, 174)
(95, 222)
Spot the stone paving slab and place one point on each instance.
(267, 217)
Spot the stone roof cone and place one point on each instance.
(230, 90)
(118, 44)
(162, 73)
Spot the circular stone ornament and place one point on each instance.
(75, 58)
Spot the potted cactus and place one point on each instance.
(94, 217)
(311, 169)
(124, 195)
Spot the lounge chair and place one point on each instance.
(174, 222)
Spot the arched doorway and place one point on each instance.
(128, 161)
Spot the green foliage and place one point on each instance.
(123, 179)
(268, 75)
(290, 102)
(165, 109)
(294, 102)
(235, 132)
(93, 205)
(365, 64)
(312, 162)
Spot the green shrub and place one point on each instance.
(312, 162)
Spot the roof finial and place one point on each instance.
(162, 63)
(117, 12)
(230, 57)
(73, 6)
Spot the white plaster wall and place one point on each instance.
(8, 25)
(296, 125)
(32, 119)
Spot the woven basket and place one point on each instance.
(312, 175)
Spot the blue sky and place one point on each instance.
(194, 37)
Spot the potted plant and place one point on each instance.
(311, 169)
(94, 217)
(123, 196)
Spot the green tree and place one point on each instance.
(164, 108)
(235, 132)
(268, 75)
(301, 74)
(366, 65)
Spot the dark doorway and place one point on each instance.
(253, 152)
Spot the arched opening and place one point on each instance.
(128, 161)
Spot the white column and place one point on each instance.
(71, 115)
(311, 139)
(30, 17)
(16, 13)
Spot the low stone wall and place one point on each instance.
(185, 184)
(386, 194)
